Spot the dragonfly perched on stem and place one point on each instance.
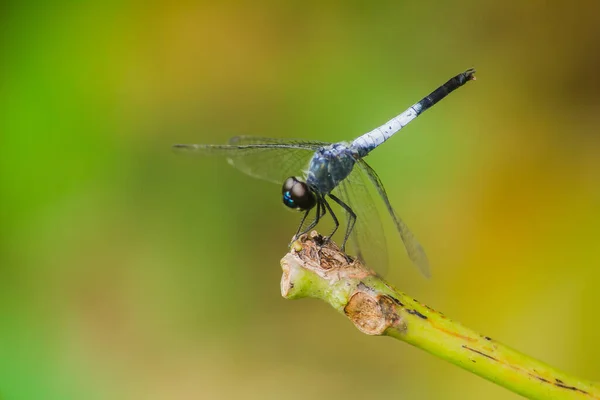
(314, 173)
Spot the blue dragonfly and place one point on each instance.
(314, 173)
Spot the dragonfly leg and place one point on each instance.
(351, 219)
(297, 234)
(320, 213)
(335, 220)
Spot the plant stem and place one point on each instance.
(312, 269)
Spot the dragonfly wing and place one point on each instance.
(367, 239)
(268, 159)
(413, 247)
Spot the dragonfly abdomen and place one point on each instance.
(370, 140)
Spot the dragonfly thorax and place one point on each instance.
(329, 166)
(297, 194)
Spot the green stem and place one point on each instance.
(376, 308)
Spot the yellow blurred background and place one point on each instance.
(128, 272)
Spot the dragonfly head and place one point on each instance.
(297, 195)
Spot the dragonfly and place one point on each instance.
(315, 174)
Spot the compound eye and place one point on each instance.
(288, 184)
(297, 194)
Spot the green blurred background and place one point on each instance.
(128, 272)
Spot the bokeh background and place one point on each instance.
(128, 272)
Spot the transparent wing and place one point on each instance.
(367, 240)
(413, 247)
(268, 159)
